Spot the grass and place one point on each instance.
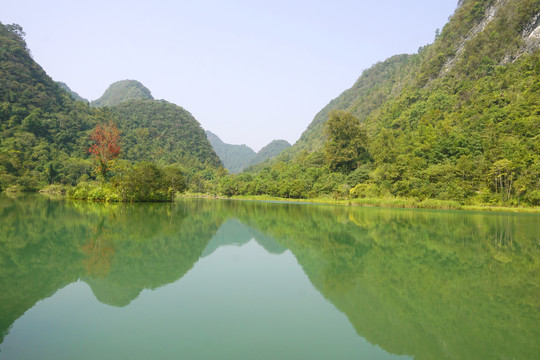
(405, 203)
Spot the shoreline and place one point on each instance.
(396, 203)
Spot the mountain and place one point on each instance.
(481, 37)
(72, 93)
(273, 149)
(45, 132)
(162, 132)
(122, 91)
(377, 84)
(459, 120)
(234, 157)
(156, 130)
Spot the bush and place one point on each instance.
(365, 190)
(533, 197)
(142, 182)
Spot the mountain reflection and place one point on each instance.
(447, 285)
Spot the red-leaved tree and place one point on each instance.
(106, 147)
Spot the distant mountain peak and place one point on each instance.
(273, 149)
(72, 93)
(236, 158)
(122, 91)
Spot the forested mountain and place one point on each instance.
(45, 133)
(378, 83)
(459, 120)
(162, 132)
(273, 149)
(122, 91)
(236, 158)
(482, 39)
(42, 128)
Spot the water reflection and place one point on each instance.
(446, 285)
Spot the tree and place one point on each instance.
(106, 147)
(18, 31)
(346, 142)
(174, 179)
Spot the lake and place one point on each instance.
(218, 279)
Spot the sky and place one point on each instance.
(249, 71)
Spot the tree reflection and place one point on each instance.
(98, 250)
(430, 284)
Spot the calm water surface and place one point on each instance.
(215, 279)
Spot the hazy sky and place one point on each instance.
(249, 71)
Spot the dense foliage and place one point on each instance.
(143, 181)
(164, 133)
(43, 132)
(346, 143)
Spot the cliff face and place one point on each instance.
(531, 35)
(498, 10)
(490, 14)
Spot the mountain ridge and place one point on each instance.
(236, 158)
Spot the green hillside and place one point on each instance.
(122, 91)
(234, 157)
(45, 133)
(273, 149)
(459, 120)
(481, 36)
(377, 84)
(162, 132)
(43, 130)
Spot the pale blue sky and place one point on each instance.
(249, 71)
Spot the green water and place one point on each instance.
(215, 279)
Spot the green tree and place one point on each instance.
(346, 142)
